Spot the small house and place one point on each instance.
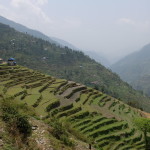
(11, 62)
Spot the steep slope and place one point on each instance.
(135, 69)
(35, 33)
(86, 113)
(65, 63)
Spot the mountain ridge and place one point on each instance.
(134, 69)
(38, 34)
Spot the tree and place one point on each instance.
(143, 124)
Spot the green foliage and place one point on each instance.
(80, 115)
(143, 124)
(52, 105)
(37, 101)
(69, 112)
(15, 120)
(59, 131)
(55, 111)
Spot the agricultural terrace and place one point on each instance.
(106, 121)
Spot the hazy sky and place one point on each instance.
(111, 27)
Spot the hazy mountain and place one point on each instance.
(98, 57)
(38, 34)
(65, 63)
(135, 69)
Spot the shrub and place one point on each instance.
(52, 106)
(62, 84)
(60, 132)
(16, 122)
(66, 87)
(5, 90)
(64, 108)
(80, 115)
(20, 93)
(37, 101)
(87, 98)
(75, 90)
(46, 86)
(70, 112)
(24, 95)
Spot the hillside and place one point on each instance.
(35, 33)
(135, 69)
(65, 63)
(87, 114)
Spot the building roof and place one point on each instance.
(11, 59)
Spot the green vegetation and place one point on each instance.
(144, 125)
(52, 106)
(59, 131)
(74, 111)
(62, 63)
(14, 119)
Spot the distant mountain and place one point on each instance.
(22, 28)
(135, 69)
(98, 57)
(66, 63)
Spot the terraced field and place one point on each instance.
(99, 117)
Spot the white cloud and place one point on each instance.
(127, 21)
(30, 13)
(139, 26)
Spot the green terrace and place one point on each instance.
(105, 120)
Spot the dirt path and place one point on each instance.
(43, 141)
(145, 114)
(41, 134)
